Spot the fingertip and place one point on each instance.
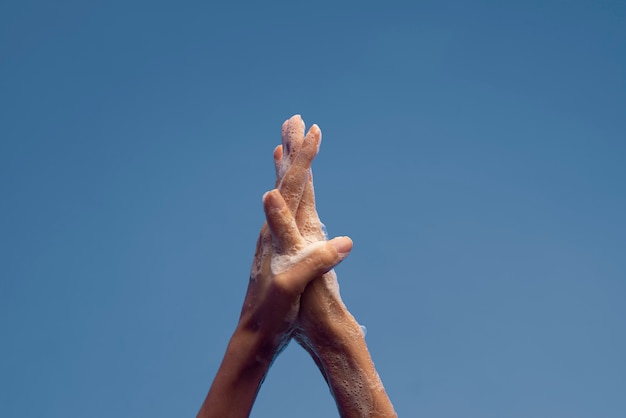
(315, 130)
(293, 119)
(343, 246)
(292, 134)
(265, 200)
(295, 122)
(278, 153)
(313, 140)
(314, 133)
(273, 200)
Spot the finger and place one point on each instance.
(313, 138)
(262, 252)
(307, 202)
(295, 179)
(278, 156)
(307, 218)
(282, 225)
(292, 134)
(292, 138)
(313, 261)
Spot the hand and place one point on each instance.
(325, 327)
(284, 263)
(321, 303)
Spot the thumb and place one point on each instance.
(343, 246)
(314, 260)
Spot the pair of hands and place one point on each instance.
(293, 293)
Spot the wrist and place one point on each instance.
(321, 308)
(335, 331)
(341, 354)
(256, 345)
(245, 364)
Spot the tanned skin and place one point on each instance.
(293, 292)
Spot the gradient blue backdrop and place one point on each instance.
(474, 151)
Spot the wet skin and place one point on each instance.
(293, 293)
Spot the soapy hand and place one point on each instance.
(285, 260)
(284, 263)
(325, 327)
(321, 302)
(285, 155)
(293, 292)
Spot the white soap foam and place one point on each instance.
(323, 227)
(281, 263)
(363, 329)
(283, 167)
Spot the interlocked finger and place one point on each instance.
(313, 261)
(295, 179)
(284, 157)
(292, 138)
(278, 156)
(282, 225)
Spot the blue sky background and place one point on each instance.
(474, 151)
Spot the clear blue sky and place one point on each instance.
(474, 151)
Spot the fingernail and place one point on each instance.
(343, 245)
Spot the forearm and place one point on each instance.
(341, 353)
(239, 377)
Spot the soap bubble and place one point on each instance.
(324, 230)
(363, 330)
